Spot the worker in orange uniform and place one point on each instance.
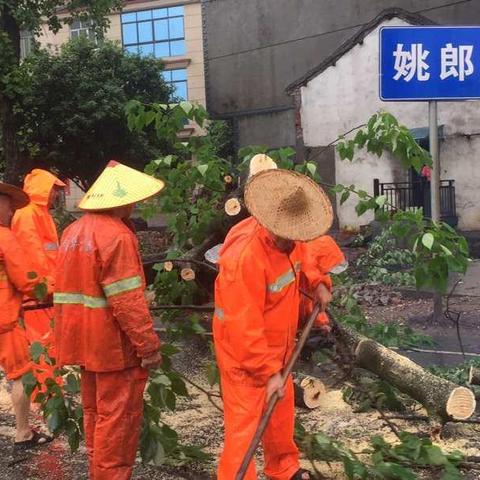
(328, 258)
(35, 229)
(16, 280)
(256, 314)
(102, 320)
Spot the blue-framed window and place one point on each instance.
(178, 80)
(159, 32)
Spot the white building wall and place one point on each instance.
(347, 94)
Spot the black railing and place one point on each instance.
(409, 195)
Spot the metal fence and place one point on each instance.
(411, 195)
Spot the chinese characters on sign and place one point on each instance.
(429, 63)
(455, 61)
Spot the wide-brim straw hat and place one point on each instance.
(259, 163)
(289, 204)
(18, 197)
(119, 186)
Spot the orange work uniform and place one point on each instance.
(102, 324)
(326, 256)
(255, 322)
(36, 231)
(15, 282)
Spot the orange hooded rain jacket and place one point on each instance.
(15, 282)
(255, 323)
(34, 226)
(102, 320)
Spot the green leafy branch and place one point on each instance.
(382, 460)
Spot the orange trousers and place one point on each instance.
(113, 411)
(243, 407)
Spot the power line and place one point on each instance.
(318, 35)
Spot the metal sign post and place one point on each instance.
(435, 187)
(435, 176)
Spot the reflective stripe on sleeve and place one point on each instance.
(122, 286)
(79, 299)
(284, 280)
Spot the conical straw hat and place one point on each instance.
(259, 163)
(118, 186)
(289, 204)
(18, 198)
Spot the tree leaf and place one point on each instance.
(345, 196)
(428, 239)
(312, 168)
(202, 169)
(159, 457)
(41, 291)
(36, 351)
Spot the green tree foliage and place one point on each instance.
(33, 16)
(438, 249)
(70, 108)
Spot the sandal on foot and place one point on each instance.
(38, 440)
(302, 475)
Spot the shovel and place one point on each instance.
(274, 398)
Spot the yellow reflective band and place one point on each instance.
(122, 286)
(79, 299)
(284, 280)
(219, 313)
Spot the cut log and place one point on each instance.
(187, 274)
(308, 393)
(233, 207)
(441, 398)
(474, 376)
(168, 266)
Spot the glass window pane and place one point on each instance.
(74, 34)
(130, 33)
(174, 11)
(162, 50)
(144, 15)
(145, 33)
(177, 48)
(161, 30)
(176, 27)
(132, 49)
(129, 17)
(179, 74)
(160, 13)
(146, 50)
(167, 75)
(75, 25)
(180, 90)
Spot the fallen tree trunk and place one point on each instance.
(474, 376)
(441, 398)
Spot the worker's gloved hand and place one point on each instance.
(153, 361)
(323, 296)
(275, 384)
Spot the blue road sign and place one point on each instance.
(429, 63)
